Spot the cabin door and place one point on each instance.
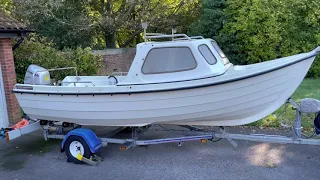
(3, 107)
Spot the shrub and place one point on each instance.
(45, 55)
(261, 30)
(314, 71)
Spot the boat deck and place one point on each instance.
(91, 81)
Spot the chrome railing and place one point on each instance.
(159, 35)
(192, 37)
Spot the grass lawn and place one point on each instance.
(309, 88)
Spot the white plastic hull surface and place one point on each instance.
(226, 104)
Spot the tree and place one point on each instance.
(99, 20)
(266, 29)
(270, 29)
(6, 5)
(260, 30)
(210, 24)
(211, 20)
(66, 23)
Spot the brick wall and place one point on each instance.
(9, 79)
(116, 59)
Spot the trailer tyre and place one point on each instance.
(66, 124)
(75, 145)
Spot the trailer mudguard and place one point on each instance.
(88, 136)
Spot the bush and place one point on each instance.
(261, 30)
(45, 55)
(314, 71)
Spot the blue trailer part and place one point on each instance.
(88, 136)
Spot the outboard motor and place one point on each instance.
(37, 75)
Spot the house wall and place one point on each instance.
(116, 59)
(9, 79)
(4, 121)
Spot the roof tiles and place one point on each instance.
(9, 24)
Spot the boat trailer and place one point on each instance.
(82, 144)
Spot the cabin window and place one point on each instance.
(169, 59)
(220, 52)
(207, 54)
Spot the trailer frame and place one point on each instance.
(52, 131)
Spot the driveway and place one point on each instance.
(30, 157)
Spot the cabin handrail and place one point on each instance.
(182, 36)
(192, 37)
(158, 36)
(197, 37)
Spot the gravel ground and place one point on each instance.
(30, 157)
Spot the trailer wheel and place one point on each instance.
(75, 145)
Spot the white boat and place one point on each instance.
(186, 81)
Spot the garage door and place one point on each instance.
(3, 108)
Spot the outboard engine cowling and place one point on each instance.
(37, 75)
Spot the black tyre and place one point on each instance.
(75, 145)
(43, 122)
(66, 124)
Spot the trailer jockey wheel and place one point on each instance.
(75, 145)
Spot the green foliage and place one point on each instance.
(211, 23)
(87, 63)
(268, 29)
(314, 71)
(211, 20)
(42, 53)
(6, 6)
(96, 23)
(269, 121)
(260, 30)
(66, 23)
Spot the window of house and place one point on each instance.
(207, 54)
(168, 59)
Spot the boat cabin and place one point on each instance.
(177, 60)
(182, 58)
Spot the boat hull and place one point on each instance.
(227, 104)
